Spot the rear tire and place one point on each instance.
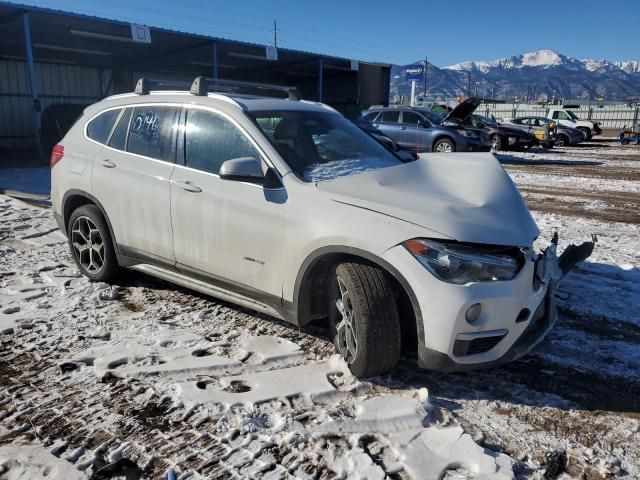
(444, 145)
(364, 319)
(91, 245)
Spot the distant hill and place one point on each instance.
(540, 75)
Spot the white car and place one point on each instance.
(569, 119)
(286, 207)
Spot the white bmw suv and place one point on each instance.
(286, 207)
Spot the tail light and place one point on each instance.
(56, 155)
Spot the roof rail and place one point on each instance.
(144, 85)
(203, 85)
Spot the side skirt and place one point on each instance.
(206, 288)
(206, 283)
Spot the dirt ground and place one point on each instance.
(570, 409)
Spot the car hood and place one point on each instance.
(466, 197)
(463, 110)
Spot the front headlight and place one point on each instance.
(467, 133)
(460, 264)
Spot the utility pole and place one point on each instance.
(275, 34)
(475, 93)
(426, 65)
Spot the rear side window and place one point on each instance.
(212, 139)
(152, 132)
(100, 127)
(119, 137)
(390, 116)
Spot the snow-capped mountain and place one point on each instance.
(629, 66)
(541, 58)
(536, 75)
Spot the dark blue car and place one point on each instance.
(421, 130)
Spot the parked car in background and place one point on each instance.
(567, 136)
(378, 135)
(502, 137)
(421, 130)
(542, 129)
(569, 119)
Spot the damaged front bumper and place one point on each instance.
(548, 272)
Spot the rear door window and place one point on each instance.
(152, 132)
(100, 127)
(211, 140)
(390, 116)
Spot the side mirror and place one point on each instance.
(248, 169)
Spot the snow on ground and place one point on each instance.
(101, 363)
(142, 376)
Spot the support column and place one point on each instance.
(214, 60)
(320, 79)
(33, 79)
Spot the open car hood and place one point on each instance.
(463, 110)
(466, 197)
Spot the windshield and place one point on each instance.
(322, 145)
(572, 115)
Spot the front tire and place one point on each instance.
(587, 132)
(444, 145)
(91, 245)
(364, 319)
(496, 142)
(562, 141)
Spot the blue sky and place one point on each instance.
(397, 31)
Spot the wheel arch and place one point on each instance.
(310, 294)
(74, 199)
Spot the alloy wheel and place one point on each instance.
(88, 245)
(444, 147)
(347, 342)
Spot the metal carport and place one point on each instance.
(50, 56)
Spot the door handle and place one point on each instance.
(403, 128)
(188, 186)
(108, 163)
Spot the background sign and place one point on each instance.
(414, 71)
(354, 65)
(140, 33)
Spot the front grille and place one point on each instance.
(478, 345)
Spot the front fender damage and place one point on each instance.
(550, 270)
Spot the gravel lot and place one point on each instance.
(134, 379)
